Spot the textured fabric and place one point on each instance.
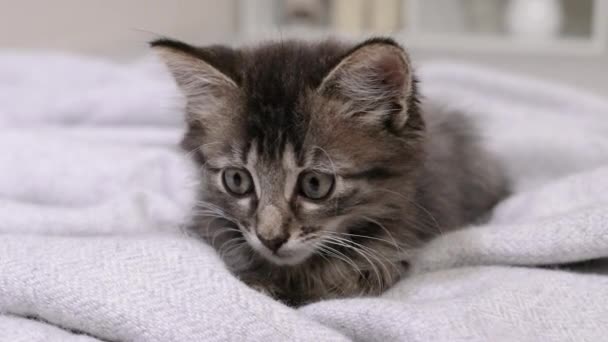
(16, 329)
(93, 192)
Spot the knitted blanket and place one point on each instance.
(93, 192)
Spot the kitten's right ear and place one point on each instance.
(375, 80)
(202, 74)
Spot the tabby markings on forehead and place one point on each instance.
(237, 153)
(289, 157)
(252, 154)
(291, 171)
(252, 160)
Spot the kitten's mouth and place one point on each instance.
(286, 258)
(281, 258)
(286, 255)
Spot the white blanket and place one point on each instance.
(93, 192)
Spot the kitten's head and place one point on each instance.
(300, 144)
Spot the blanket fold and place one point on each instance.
(124, 289)
(93, 193)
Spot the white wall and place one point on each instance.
(112, 28)
(586, 72)
(116, 28)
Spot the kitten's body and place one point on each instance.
(346, 114)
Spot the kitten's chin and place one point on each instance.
(286, 261)
(283, 258)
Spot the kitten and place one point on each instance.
(321, 170)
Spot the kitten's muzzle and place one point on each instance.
(274, 243)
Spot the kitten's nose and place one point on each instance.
(273, 244)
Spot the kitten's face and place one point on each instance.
(300, 145)
(288, 200)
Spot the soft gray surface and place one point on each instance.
(90, 201)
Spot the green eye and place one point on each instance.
(316, 185)
(237, 182)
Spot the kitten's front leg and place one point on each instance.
(273, 291)
(270, 291)
(264, 287)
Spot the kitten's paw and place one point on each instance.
(274, 293)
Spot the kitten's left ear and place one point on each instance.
(375, 82)
(206, 76)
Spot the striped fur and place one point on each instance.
(282, 109)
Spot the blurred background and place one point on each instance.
(561, 40)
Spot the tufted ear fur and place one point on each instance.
(375, 82)
(204, 75)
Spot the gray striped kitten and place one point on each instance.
(321, 170)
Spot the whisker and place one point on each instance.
(237, 247)
(237, 240)
(426, 211)
(376, 222)
(341, 242)
(373, 238)
(220, 232)
(337, 254)
(371, 253)
(200, 148)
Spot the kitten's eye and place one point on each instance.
(237, 181)
(316, 185)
